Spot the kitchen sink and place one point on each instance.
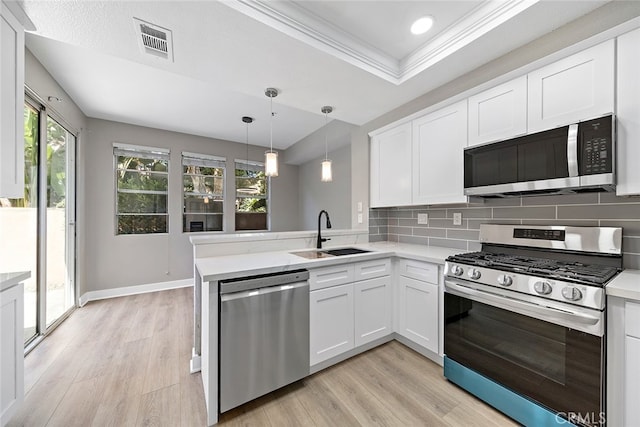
(328, 253)
(345, 251)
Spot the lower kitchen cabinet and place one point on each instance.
(11, 351)
(632, 384)
(418, 312)
(372, 304)
(331, 322)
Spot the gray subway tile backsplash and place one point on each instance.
(589, 209)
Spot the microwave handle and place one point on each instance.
(572, 150)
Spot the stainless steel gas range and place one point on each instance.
(525, 321)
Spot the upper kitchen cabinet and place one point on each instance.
(390, 173)
(439, 139)
(498, 113)
(575, 88)
(11, 105)
(628, 114)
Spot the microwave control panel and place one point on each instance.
(597, 146)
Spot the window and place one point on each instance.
(142, 175)
(203, 191)
(252, 196)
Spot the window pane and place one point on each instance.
(202, 184)
(139, 224)
(251, 221)
(142, 164)
(251, 200)
(142, 203)
(202, 222)
(251, 187)
(200, 204)
(203, 192)
(140, 180)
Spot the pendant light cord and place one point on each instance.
(271, 124)
(326, 149)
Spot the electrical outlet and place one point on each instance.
(423, 218)
(359, 218)
(457, 218)
(359, 206)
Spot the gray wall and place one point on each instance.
(115, 261)
(38, 79)
(334, 197)
(608, 16)
(593, 209)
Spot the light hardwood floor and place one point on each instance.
(125, 362)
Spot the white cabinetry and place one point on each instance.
(11, 351)
(575, 88)
(372, 309)
(498, 113)
(390, 173)
(628, 114)
(353, 311)
(11, 106)
(439, 139)
(331, 322)
(418, 302)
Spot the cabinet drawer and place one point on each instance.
(419, 270)
(632, 319)
(330, 276)
(372, 269)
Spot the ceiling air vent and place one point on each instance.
(154, 40)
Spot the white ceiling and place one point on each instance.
(357, 56)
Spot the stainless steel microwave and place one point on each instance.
(576, 158)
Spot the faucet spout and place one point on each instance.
(328, 225)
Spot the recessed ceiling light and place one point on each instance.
(422, 25)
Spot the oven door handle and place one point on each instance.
(571, 318)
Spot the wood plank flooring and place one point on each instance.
(125, 362)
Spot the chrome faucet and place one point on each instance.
(320, 239)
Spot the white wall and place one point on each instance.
(334, 197)
(127, 260)
(606, 17)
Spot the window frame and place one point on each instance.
(267, 195)
(204, 158)
(144, 152)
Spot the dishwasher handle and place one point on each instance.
(262, 291)
(262, 281)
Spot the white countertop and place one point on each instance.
(625, 285)
(9, 280)
(225, 267)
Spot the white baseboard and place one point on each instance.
(133, 290)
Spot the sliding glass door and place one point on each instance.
(38, 230)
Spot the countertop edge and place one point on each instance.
(625, 285)
(9, 280)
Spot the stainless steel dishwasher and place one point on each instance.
(264, 335)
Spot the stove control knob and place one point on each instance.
(543, 288)
(571, 293)
(474, 274)
(505, 280)
(456, 270)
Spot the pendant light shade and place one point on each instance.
(327, 175)
(271, 157)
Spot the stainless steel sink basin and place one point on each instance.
(327, 253)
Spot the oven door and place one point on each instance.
(551, 355)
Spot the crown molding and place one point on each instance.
(298, 23)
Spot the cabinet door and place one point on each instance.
(12, 351)
(498, 113)
(331, 322)
(11, 106)
(438, 142)
(418, 312)
(628, 115)
(372, 309)
(632, 382)
(575, 88)
(390, 172)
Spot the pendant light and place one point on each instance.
(326, 163)
(271, 157)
